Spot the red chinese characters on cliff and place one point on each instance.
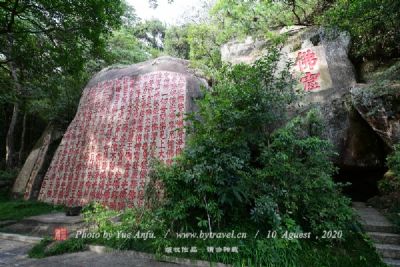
(306, 61)
(120, 126)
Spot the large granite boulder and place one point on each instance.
(126, 117)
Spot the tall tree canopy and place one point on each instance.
(44, 41)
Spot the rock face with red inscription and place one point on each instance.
(126, 117)
(325, 77)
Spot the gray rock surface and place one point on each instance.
(246, 51)
(31, 175)
(355, 142)
(379, 105)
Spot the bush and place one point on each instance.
(238, 169)
(295, 184)
(47, 247)
(205, 186)
(389, 188)
(129, 221)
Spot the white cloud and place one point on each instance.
(167, 13)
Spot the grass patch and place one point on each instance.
(47, 247)
(18, 209)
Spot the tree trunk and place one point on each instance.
(22, 147)
(10, 137)
(10, 146)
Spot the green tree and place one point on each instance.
(373, 25)
(152, 33)
(124, 48)
(240, 18)
(204, 45)
(41, 40)
(206, 184)
(176, 41)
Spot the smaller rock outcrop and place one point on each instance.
(379, 105)
(31, 175)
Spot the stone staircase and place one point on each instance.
(381, 231)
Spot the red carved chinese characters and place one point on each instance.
(310, 81)
(120, 125)
(306, 61)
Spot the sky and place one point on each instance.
(167, 13)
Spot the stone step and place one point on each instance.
(392, 262)
(372, 220)
(388, 251)
(45, 225)
(385, 238)
(382, 228)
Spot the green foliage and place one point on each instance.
(252, 251)
(20, 209)
(176, 42)
(393, 161)
(373, 24)
(295, 186)
(388, 200)
(204, 47)
(206, 184)
(125, 48)
(238, 167)
(238, 18)
(152, 33)
(46, 247)
(130, 220)
(389, 186)
(43, 35)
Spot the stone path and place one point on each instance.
(381, 231)
(14, 247)
(14, 253)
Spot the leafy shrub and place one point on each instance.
(205, 186)
(130, 220)
(390, 184)
(238, 168)
(296, 180)
(47, 247)
(389, 188)
(393, 161)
